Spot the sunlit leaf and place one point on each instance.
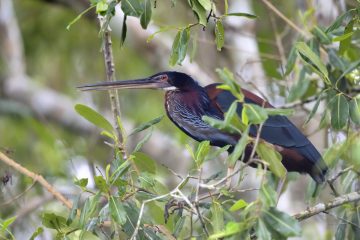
(351, 67)
(81, 182)
(342, 37)
(101, 6)
(339, 112)
(37, 232)
(345, 43)
(179, 47)
(279, 111)
(201, 152)
(94, 117)
(339, 20)
(255, 113)
(238, 205)
(206, 4)
(231, 228)
(146, 125)
(118, 213)
(231, 85)
(219, 35)
(53, 221)
(272, 157)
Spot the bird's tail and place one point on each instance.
(318, 167)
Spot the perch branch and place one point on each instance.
(36, 178)
(323, 207)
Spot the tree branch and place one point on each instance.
(36, 178)
(322, 207)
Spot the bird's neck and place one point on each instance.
(195, 101)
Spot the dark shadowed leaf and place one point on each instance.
(73, 210)
(123, 31)
(146, 14)
(239, 14)
(94, 117)
(339, 112)
(355, 110)
(282, 223)
(53, 221)
(146, 125)
(311, 59)
(272, 157)
(219, 35)
(81, 182)
(118, 213)
(131, 7)
(101, 183)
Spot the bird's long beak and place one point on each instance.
(157, 82)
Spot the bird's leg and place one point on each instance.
(280, 186)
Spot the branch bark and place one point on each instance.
(36, 178)
(322, 207)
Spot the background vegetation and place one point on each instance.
(149, 180)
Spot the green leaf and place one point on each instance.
(217, 218)
(78, 17)
(239, 148)
(311, 59)
(6, 223)
(239, 14)
(351, 67)
(268, 195)
(206, 4)
(272, 157)
(146, 15)
(199, 10)
(238, 205)
(231, 85)
(101, 7)
(339, 112)
(94, 117)
(201, 152)
(321, 35)
(255, 113)
(131, 8)
(179, 47)
(143, 141)
(345, 43)
(144, 163)
(83, 182)
(219, 35)
(117, 210)
(342, 37)
(162, 29)
(123, 31)
(231, 228)
(339, 20)
(88, 209)
(231, 113)
(279, 111)
(282, 223)
(299, 89)
(101, 184)
(146, 125)
(355, 110)
(37, 232)
(53, 221)
(120, 171)
(313, 111)
(290, 61)
(217, 152)
(341, 228)
(262, 232)
(73, 211)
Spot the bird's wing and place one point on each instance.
(277, 129)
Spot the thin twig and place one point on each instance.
(36, 178)
(322, 207)
(10, 201)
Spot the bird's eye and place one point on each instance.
(164, 77)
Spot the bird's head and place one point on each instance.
(164, 80)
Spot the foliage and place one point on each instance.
(131, 199)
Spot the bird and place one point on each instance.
(186, 103)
